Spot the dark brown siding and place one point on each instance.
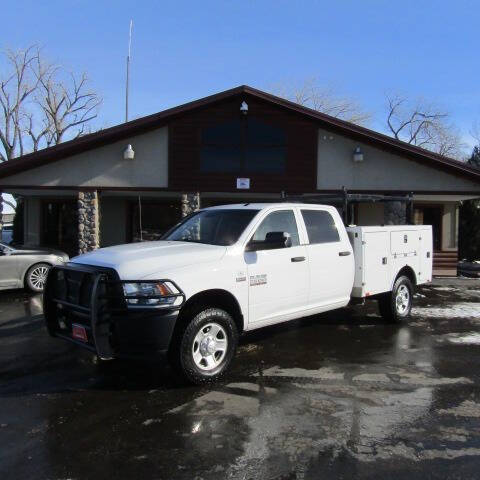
(184, 149)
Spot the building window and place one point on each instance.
(244, 145)
(155, 219)
(321, 227)
(59, 226)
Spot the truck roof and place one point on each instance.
(261, 206)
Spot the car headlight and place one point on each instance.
(152, 294)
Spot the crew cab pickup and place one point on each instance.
(226, 270)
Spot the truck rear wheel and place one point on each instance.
(396, 305)
(204, 349)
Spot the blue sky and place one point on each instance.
(186, 50)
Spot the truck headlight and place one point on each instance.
(152, 294)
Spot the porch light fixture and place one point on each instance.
(358, 155)
(129, 153)
(244, 108)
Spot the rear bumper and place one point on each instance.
(92, 298)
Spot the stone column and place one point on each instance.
(395, 213)
(190, 203)
(88, 221)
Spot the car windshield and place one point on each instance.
(213, 227)
(5, 248)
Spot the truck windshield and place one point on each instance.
(214, 227)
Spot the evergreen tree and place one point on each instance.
(474, 159)
(469, 229)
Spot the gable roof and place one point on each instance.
(150, 122)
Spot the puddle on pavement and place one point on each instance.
(342, 387)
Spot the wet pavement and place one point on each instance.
(339, 395)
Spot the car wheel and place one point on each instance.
(37, 276)
(396, 305)
(204, 349)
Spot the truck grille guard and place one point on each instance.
(93, 298)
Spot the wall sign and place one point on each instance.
(243, 183)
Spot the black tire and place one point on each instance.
(186, 350)
(36, 276)
(393, 308)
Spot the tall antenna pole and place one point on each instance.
(128, 69)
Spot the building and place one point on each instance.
(239, 145)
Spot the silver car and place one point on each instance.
(27, 267)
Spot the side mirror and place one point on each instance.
(278, 240)
(273, 240)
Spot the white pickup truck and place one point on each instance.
(226, 270)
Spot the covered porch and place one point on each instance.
(76, 221)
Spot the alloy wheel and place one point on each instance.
(402, 299)
(38, 277)
(209, 346)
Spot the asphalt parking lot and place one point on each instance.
(340, 395)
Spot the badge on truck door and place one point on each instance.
(240, 277)
(258, 280)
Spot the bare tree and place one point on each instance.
(424, 125)
(67, 104)
(325, 100)
(475, 132)
(17, 85)
(41, 104)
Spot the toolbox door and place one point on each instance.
(426, 255)
(376, 262)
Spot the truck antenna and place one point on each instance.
(128, 69)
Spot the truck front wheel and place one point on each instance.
(204, 348)
(396, 305)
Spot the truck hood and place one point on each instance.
(135, 261)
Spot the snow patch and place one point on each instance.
(321, 373)
(469, 339)
(457, 310)
(150, 421)
(420, 378)
(468, 408)
(371, 377)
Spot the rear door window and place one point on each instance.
(320, 226)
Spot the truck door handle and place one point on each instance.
(297, 259)
(344, 254)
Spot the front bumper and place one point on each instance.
(92, 298)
